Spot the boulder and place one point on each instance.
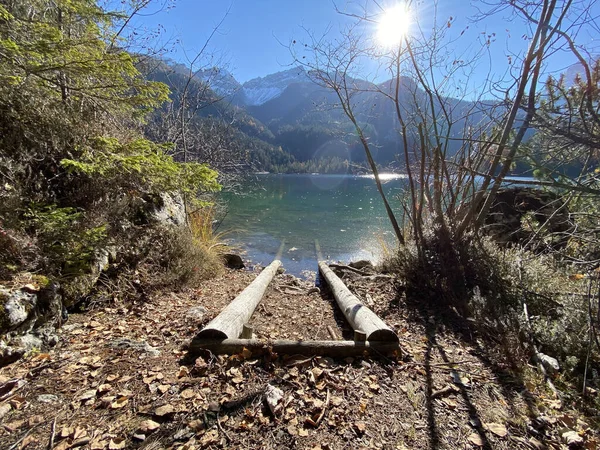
(29, 317)
(163, 208)
(233, 261)
(81, 285)
(362, 264)
(507, 224)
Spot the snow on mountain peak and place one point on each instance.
(262, 89)
(220, 80)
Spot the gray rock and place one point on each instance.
(18, 307)
(169, 210)
(29, 319)
(196, 313)
(550, 364)
(28, 342)
(47, 398)
(233, 261)
(140, 346)
(361, 264)
(4, 410)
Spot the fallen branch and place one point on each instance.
(337, 349)
(315, 423)
(351, 269)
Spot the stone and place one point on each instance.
(233, 261)
(4, 410)
(165, 208)
(47, 398)
(550, 364)
(362, 264)
(504, 222)
(17, 307)
(196, 313)
(140, 346)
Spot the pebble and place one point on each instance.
(47, 398)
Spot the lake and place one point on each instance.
(344, 212)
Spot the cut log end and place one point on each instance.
(211, 333)
(383, 335)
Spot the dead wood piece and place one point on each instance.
(350, 269)
(315, 423)
(358, 315)
(229, 323)
(448, 390)
(332, 333)
(336, 349)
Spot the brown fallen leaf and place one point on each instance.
(360, 427)
(197, 425)
(79, 433)
(497, 428)
(164, 410)
(188, 393)
(475, 439)
(117, 443)
(119, 403)
(34, 420)
(148, 426)
(64, 445)
(88, 395)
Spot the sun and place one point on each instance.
(394, 25)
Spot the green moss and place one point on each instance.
(41, 280)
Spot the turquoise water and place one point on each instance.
(343, 212)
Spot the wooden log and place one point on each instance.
(360, 336)
(337, 349)
(247, 331)
(358, 315)
(230, 322)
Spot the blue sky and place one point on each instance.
(249, 40)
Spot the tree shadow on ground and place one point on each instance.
(439, 322)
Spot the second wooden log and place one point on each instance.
(358, 315)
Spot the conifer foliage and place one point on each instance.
(72, 154)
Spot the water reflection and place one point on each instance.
(342, 211)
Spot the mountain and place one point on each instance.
(260, 90)
(220, 80)
(288, 117)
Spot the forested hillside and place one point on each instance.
(80, 180)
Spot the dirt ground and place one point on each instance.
(120, 378)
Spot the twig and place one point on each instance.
(221, 428)
(332, 333)
(52, 435)
(351, 269)
(16, 444)
(315, 423)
